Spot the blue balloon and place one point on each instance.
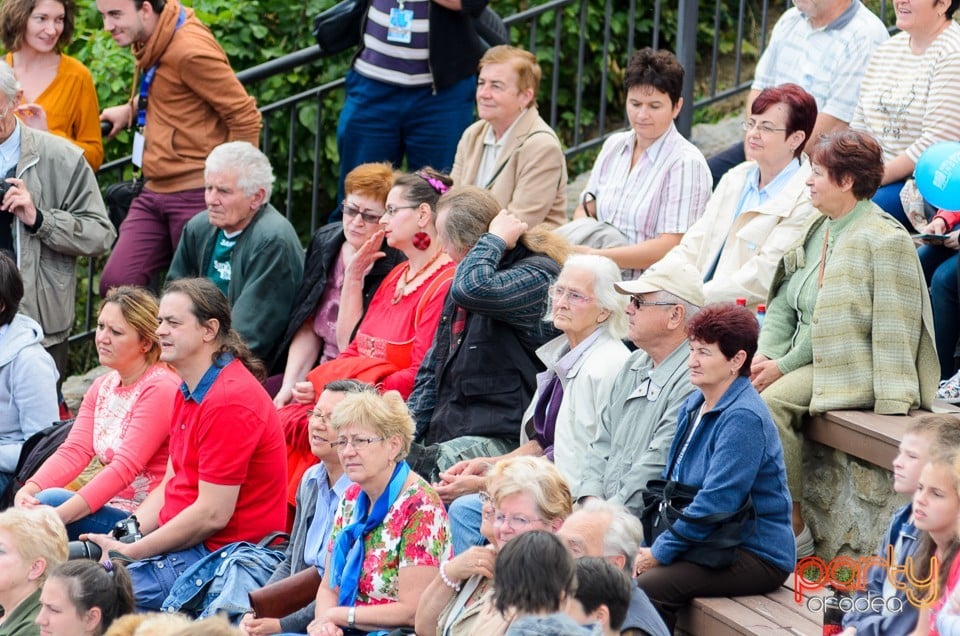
(938, 175)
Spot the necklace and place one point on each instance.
(405, 279)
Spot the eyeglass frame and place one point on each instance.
(638, 302)
(340, 445)
(765, 129)
(574, 297)
(391, 210)
(509, 520)
(316, 413)
(367, 217)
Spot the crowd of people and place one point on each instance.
(469, 415)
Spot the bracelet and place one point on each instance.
(446, 580)
(352, 616)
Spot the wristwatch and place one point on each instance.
(351, 617)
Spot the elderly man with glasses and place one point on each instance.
(637, 426)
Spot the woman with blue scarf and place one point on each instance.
(390, 531)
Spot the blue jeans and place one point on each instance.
(946, 313)
(153, 578)
(383, 122)
(465, 515)
(888, 198)
(99, 522)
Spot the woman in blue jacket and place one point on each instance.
(727, 447)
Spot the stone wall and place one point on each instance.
(846, 502)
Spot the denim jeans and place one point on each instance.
(99, 522)
(383, 122)
(153, 578)
(888, 198)
(465, 515)
(946, 312)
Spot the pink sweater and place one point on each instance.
(127, 429)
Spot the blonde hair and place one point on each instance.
(148, 624)
(387, 414)
(139, 308)
(533, 476)
(36, 533)
(524, 64)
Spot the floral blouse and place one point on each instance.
(414, 532)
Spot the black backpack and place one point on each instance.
(35, 451)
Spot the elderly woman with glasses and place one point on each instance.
(581, 366)
(311, 336)
(523, 494)
(390, 530)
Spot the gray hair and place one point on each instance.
(469, 212)
(689, 309)
(605, 274)
(625, 533)
(9, 85)
(251, 166)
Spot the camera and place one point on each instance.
(4, 186)
(125, 531)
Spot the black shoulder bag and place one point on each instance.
(663, 504)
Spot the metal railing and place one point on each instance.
(540, 30)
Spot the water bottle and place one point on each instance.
(761, 314)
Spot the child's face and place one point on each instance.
(914, 453)
(936, 502)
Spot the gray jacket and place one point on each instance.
(28, 388)
(75, 223)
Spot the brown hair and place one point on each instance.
(731, 327)
(139, 309)
(13, 23)
(854, 155)
(658, 69)
(11, 289)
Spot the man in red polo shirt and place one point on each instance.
(226, 475)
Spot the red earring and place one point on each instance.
(421, 240)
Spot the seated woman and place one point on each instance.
(398, 327)
(849, 310)
(123, 422)
(726, 447)
(511, 151)
(939, 262)
(761, 206)
(28, 375)
(390, 531)
(649, 182)
(909, 98)
(82, 598)
(535, 577)
(523, 494)
(312, 335)
(581, 364)
(32, 543)
(58, 91)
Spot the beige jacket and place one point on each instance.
(753, 243)
(531, 177)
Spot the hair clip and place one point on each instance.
(435, 183)
(108, 566)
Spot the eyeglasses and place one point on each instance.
(765, 129)
(393, 209)
(638, 302)
(318, 414)
(358, 443)
(485, 498)
(515, 522)
(350, 210)
(575, 298)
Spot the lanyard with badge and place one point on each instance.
(145, 82)
(400, 29)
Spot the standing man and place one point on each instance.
(195, 104)
(51, 212)
(637, 426)
(226, 477)
(823, 46)
(241, 243)
(410, 90)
